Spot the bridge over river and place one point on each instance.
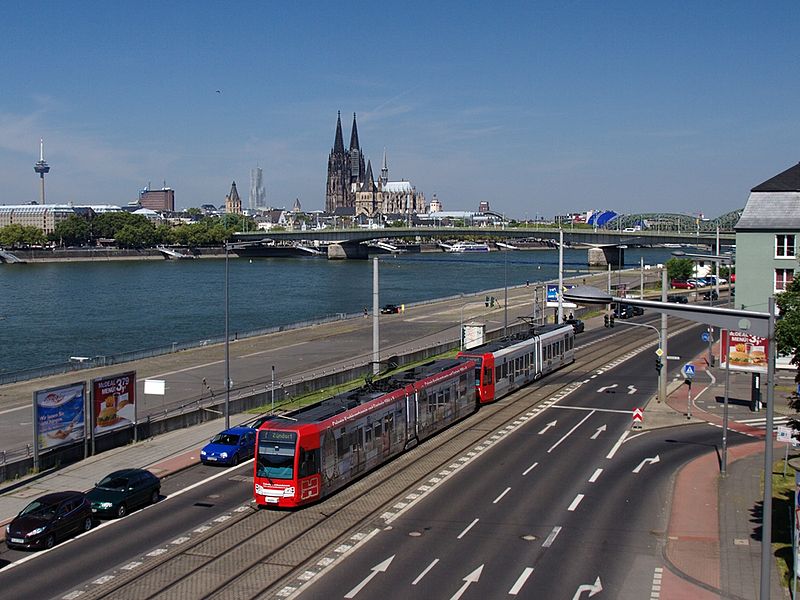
(604, 246)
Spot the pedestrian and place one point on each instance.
(366, 312)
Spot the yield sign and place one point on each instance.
(638, 415)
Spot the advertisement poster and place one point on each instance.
(59, 415)
(552, 296)
(113, 402)
(746, 352)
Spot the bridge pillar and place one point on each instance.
(345, 251)
(608, 255)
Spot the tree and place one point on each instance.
(680, 268)
(787, 336)
(71, 232)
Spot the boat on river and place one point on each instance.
(469, 247)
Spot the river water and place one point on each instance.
(51, 311)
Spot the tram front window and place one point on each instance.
(275, 457)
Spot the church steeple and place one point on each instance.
(338, 143)
(369, 180)
(354, 135)
(384, 170)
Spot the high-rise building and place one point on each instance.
(41, 167)
(162, 200)
(258, 195)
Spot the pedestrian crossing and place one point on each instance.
(761, 423)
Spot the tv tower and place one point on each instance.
(41, 166)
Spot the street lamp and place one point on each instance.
(757, 323)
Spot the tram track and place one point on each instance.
(254, 553)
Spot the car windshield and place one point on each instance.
(226, 439)
(39, 509)
(113, 483)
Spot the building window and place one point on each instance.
(783, 277)
(784, 246)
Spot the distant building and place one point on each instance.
(159, 200)
(233, 204)
(483, 207)
(296, 208)
(767, 235)
(45, 217)
(258, 195)
(346, 172)
(436, 205)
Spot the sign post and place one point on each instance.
(688, 373)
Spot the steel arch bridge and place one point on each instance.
(675, 222)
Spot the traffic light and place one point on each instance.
(611, 320)
(605, 320)
(486, 302)
(659, 364)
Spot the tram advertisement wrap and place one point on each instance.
(746, 352)
(113, 402)
(59, 415)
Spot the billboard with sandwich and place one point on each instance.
(746, 352)
(113, 402)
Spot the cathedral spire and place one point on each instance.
(354, 135)
(338, 143)
(384, 169)
(369, 180)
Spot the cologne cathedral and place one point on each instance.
(351, 188)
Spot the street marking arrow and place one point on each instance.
(606, 387)
(597, 433)
(651, 461)
(469, 579)
(379, 568)
(548, 426)
(592, 588)
(631, 390)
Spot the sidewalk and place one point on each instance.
(713, 546)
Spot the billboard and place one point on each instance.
(59, 415)
(746, 352)
(113, 402)
(552, 297)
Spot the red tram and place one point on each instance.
(314, 451)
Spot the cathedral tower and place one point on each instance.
(346, 170)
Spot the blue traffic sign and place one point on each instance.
(688, 370)
(705, 336)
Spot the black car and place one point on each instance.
(49, 519)
(577, 324)
(390, 309)
(118, 492)
(623, 311)
(677, 299)
(712, 295)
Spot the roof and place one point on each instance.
(787, 181)
(771, 210)
(398, 186)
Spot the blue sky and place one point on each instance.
(536, 107)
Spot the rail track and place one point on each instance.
(254, 553)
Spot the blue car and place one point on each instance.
(230, 447)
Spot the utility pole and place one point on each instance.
(662, 376)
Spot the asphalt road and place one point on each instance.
(559, 507)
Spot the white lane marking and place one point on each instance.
(156, 552)
(611, 410)
(8, 410)
(617, 445)
(606, 387)
(103, 579)
(566, 435)
(655, 590)
(470, 526)
(73, 595)
(529, 469)
(272, 349)
(500, 497)
(520, 581)
(631, 390)
(575, 503)
(595, 475)
(552, 537)
(131, 565)
(651, 461)
(425, 572)
(548, 426)
(379, 568)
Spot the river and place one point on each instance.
(52, 311)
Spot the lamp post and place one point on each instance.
(227, 349)
(757, 323)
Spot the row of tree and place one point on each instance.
(128, 231)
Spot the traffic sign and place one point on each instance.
(673, 357)
(705, 336)
(638, 415)
(659, 353)
(688, 371)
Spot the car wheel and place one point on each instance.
(155, 496)
(121, 511)
(87, 523)
(235, 460)
(50, 541)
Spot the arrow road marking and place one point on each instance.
(592, 588)
(607, 387)
(631, 390)
(469, 579)
(548, 426)
(597, 433)
(651, 461)
(379, 568)
(521, 581)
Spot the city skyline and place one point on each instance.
(635, 108)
